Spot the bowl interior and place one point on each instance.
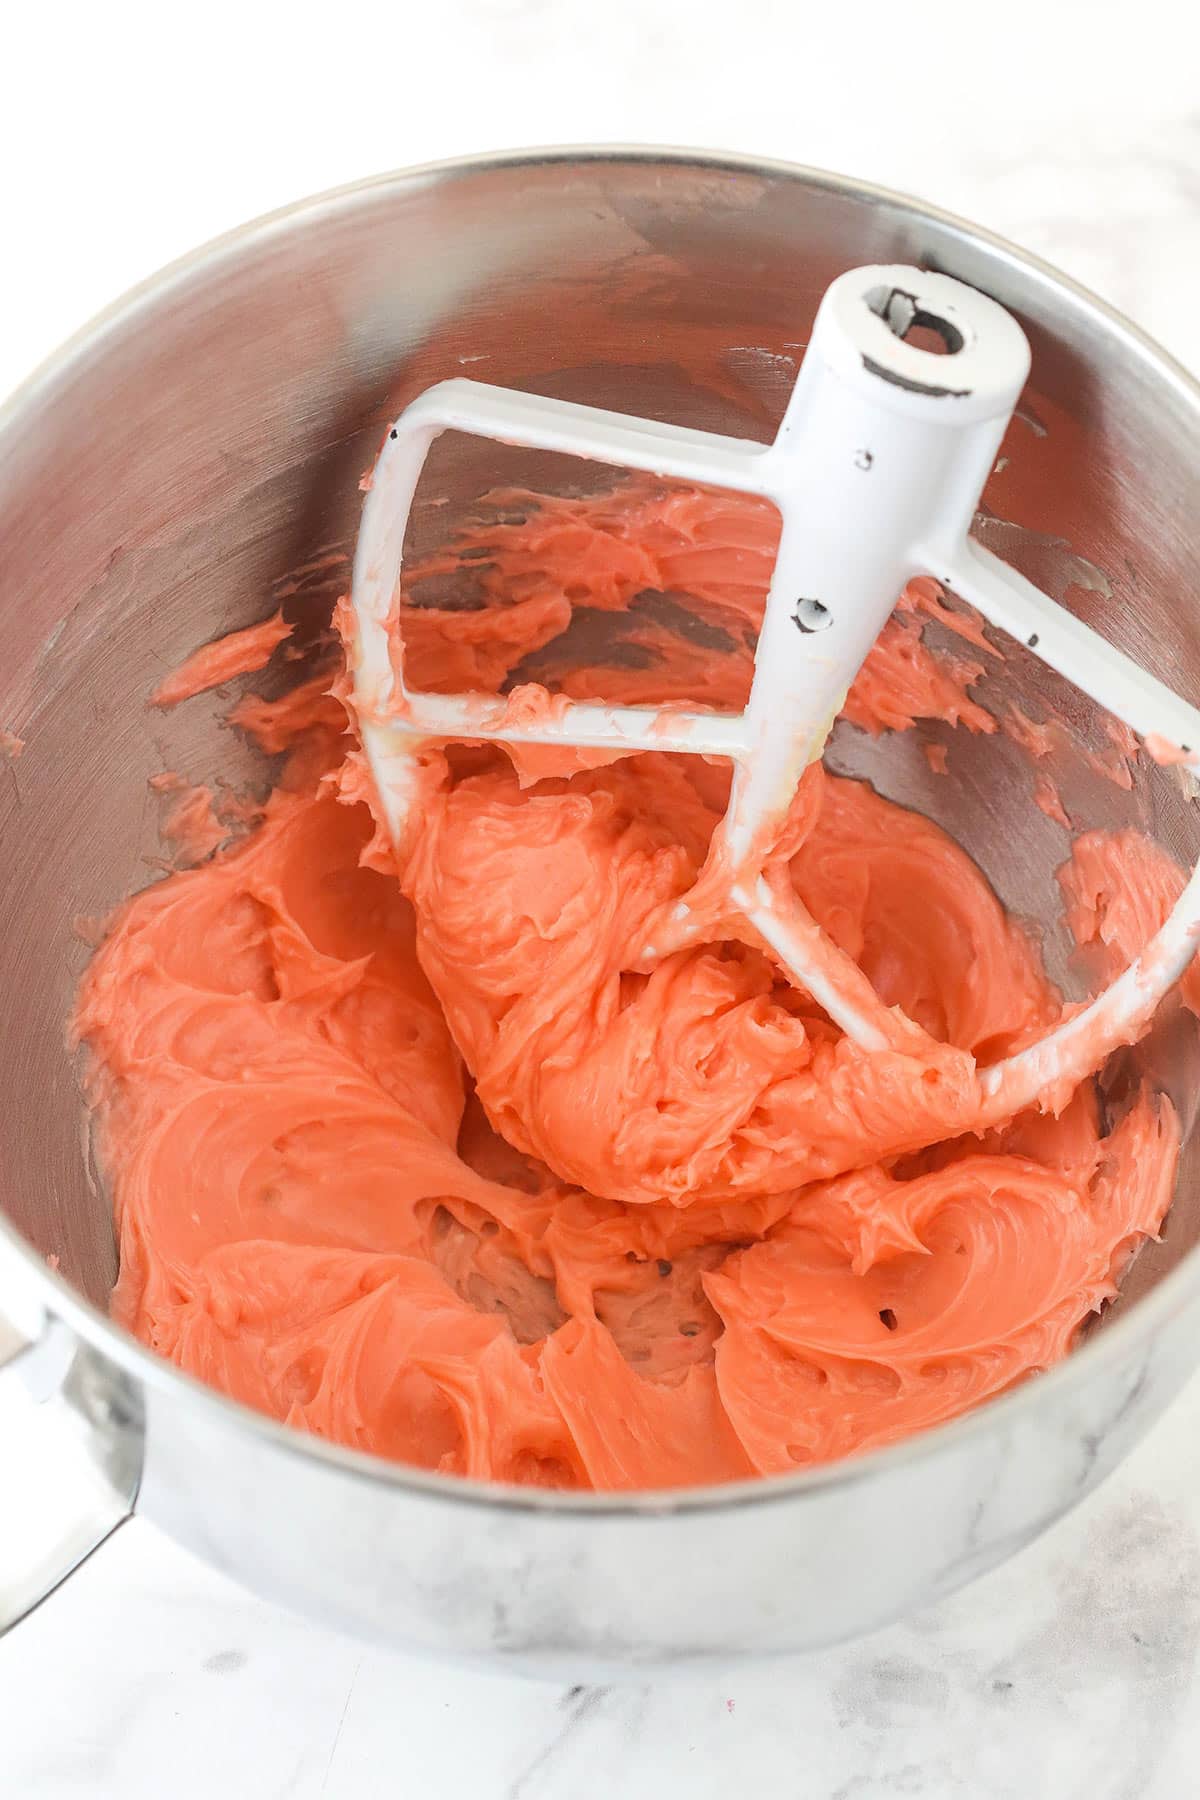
(193, 463)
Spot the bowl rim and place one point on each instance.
(60, 1299)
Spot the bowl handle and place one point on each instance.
(70, 1456)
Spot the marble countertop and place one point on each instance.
(1073, 1672)
(135, 132)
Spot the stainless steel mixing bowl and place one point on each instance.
(192, 458)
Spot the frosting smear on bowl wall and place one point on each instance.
(406, 1150)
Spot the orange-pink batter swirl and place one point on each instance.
(411, 1153)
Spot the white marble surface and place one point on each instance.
(1071, 1673)
(129, 133)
